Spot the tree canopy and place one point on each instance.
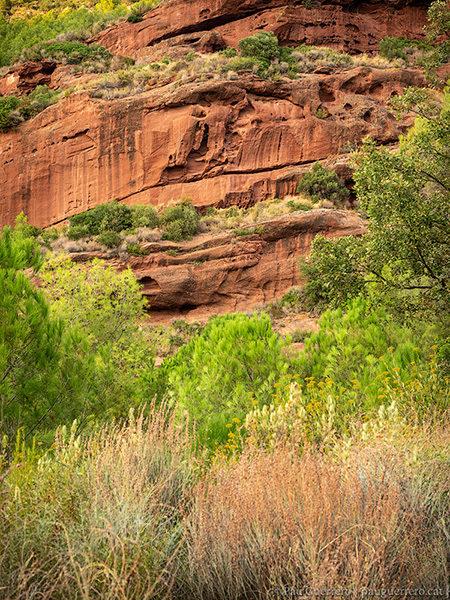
(406, 196)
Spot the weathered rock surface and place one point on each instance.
(217, 273)
(344, 25)
(23, 78)
(219, 142)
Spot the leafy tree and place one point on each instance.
(104, 303)
(45, 373)
(328, 285)
(406, 195)
(235, 362)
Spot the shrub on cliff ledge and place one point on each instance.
(321, 184)
(105, 217)
(180, 221)
(401, 47)
(13, 110)
(263, 45)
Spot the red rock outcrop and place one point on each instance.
(220, 272)
(23, 78)
(219, 142)
(344, 25)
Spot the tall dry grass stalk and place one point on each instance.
(100, 518)
(280, 520)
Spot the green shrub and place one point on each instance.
(235, 362)
(321, 184)
(13, 110)
(295, 206)
(241, 232)
(400, 47)
(299, 335)
(247, 63)
(144, 216)
(229, 52)
(135, 17)
(74, 52)
(110, 239)
(76, 232)
(24, 229)
(180, 221)
(263, 46)
(8, 104)
(139, 9)
(136, 250)
(321, 113)
(105, 217)
(294, 298)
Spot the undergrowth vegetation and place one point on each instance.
(262, 57)
(20, 30)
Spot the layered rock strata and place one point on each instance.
(221, 272)
(349, 26)
(218, 142)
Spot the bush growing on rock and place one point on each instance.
(180, 221)
(401, 47)
(263, 45)
(105, 217)
(73, 53)
(110, 239)
(13, 110)
(321, 184)
(144, 216)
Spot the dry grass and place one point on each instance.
(97, 519)
(234, 217)
(198, 66)
(120, 517)
(277, 520)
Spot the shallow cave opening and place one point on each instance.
(150, 285)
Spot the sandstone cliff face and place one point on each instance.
(219, 142)
(218, 273)
(344, 25)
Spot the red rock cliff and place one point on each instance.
(345, 25)
(219, 142)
